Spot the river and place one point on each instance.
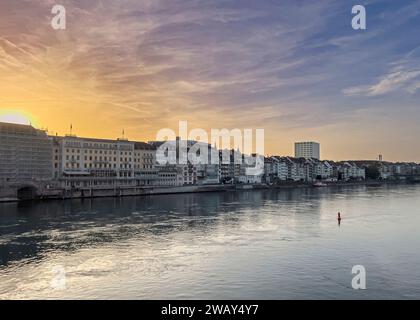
(266, 244)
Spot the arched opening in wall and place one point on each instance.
(26, 193)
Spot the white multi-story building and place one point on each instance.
(25, 154)
(180, 153)
(307, 150)
(169, 176)
(322, 169)
(348, 170)
(230, 170)
(295, 171)
(145, 171)
(277, 168)
(271, 169)
(89, 163)
(86, 162)
(25, 161)
(282, 170)
(301, 169)
(252, 169)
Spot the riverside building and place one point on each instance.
(307, 150)
(25, 154)
(87, 162)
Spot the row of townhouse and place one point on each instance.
(100, 163)
(397, 170)
(89, 163)
(389, 170)
(236, 167)
(308, 170)
(350, 171)
(178, 154)
(76, 162)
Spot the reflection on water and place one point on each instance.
(271, 244)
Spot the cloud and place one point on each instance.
(414, 87)
(147, 64)
(395, 80)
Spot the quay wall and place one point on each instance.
(10, 193)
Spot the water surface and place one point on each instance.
(275, 244)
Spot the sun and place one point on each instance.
(17, 117)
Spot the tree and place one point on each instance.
(372, 172)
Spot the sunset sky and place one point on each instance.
(294, 68)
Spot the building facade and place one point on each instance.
(145, 171)
(29, 158)
(102, 163)
(307, 150)
(25, 154)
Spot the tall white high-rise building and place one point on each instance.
(307, 150)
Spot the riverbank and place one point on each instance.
(61, 194)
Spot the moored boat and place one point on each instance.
(319, 184)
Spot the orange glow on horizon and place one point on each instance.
(17, 117)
